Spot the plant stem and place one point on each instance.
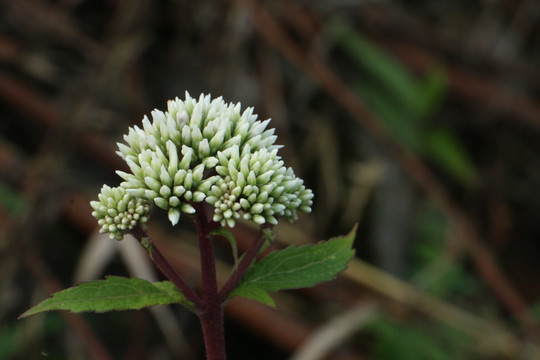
(210, 306)
(211, 314)
(243, 266)
(165, 267)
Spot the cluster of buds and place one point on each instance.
(207, 150)
(117, 211)
(256, 186)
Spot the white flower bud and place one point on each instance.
(165, 191)
(258, 219)
(182, 118)
(165, 177)
(152, 183)
(187, 208)
(196, 115)
(198, 196)
(217, 140)
(162, 203)
(198, 173)
(264, 178)
(180, 176)
(211, 200)
(204, 148)
(257, 208)
(186, 159)
(188, 181)
(174, 216)
(186, 135)
(173, 157)
(179, 190)
(210, 162)
(196, 135)
(174, 201)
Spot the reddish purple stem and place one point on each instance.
(165, 267)
(242, 267)
(211, 314)
(209, 306)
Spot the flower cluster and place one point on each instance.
(209, 150)
(118, 211)
(257, 185)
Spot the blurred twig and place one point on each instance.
(333, 333)
(45, 19)
(43, 113)
(491, 338)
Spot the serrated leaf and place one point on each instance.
(296, 267)
(113, 293)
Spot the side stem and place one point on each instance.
(165, 267)
(243, 266)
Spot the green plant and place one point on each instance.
(417, 340)
(207, 159)
(405, 103)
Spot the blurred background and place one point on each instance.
(417, 120)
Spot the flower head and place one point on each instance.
(208, 150)
(118, 211)
(256, 186)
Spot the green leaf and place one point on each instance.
(415, 340)
(446, 150)
(113, 293)
(11, 339)
(230, 237)
(431, 92)
(11, 200)
(400, 122)
(381, 66)
(296, 267)
(254, 293)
